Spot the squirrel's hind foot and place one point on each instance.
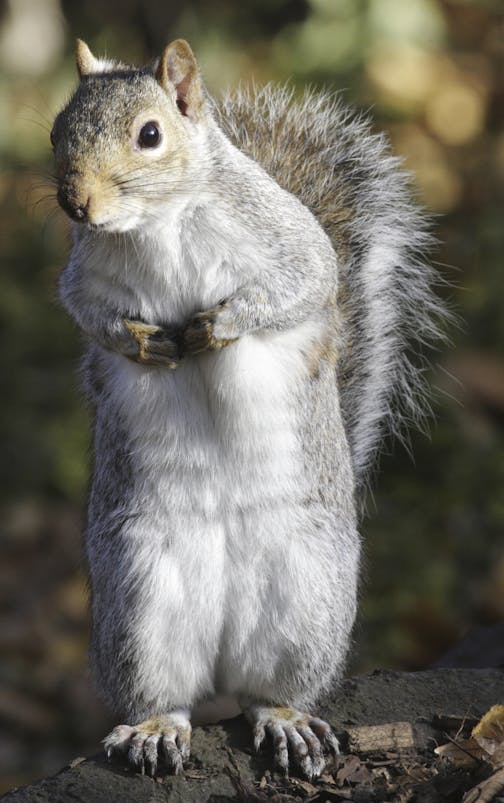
(297, 738)
(167, 737)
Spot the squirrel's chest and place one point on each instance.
(169, 278)
(223, 428)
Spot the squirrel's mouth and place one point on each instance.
(116, 225)
(105, 227)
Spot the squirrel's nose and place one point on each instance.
(76, 207)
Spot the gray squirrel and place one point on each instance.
(246, 274)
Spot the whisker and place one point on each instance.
(42, 199)
(29, 107)
(38, 123)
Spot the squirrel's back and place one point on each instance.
(317, 149)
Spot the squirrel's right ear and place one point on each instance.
(178, 69)
(86, 62)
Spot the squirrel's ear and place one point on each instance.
(86, 62)
(177, 68)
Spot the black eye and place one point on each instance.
(149, 136)
(52, 138)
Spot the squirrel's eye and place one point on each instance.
(149, 136)
(52, 138)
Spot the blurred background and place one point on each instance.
(432, 72)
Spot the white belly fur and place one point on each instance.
(218, 465)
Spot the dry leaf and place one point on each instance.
(463, 752)
(381, 773)
(497, 757)
(361, 775)
(418, 774)
(307, 787)
(353, 771)
(491, 725)
(489, 732)
(350, 765)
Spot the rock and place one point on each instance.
(224, 768)
(385, 696)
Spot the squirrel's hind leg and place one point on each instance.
(167, 737)
(298, 738)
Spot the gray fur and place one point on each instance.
(328, 156)
(222, 539)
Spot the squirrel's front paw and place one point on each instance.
(167, 737)
(156, 345)
(203, 332)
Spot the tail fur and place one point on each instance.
(326, 155)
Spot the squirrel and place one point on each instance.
(246, 274)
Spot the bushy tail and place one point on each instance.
(320, 151)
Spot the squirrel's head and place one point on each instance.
(129, 138)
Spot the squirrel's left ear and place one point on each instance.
(86, 62)
(177, 68)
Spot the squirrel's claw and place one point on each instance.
(156, 344)
(172, 754)
(136, 752)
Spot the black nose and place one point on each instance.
(76, 208)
